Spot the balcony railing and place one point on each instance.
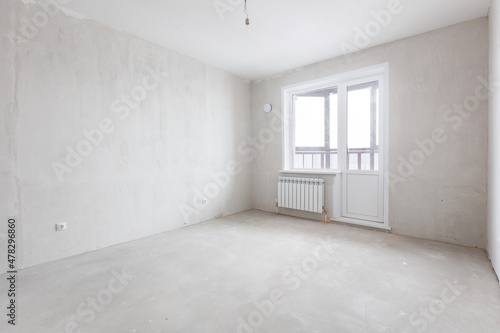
(358, 159)
(316, 160)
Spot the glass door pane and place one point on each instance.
(362, 131)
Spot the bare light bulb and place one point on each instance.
(247, 20)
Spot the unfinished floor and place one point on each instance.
(260, 272)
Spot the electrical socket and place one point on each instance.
(61, 226)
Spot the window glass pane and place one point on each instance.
(315, 132)
(309, 121)
(334, 161)
(365, 161)
(308, 158)
(353, 161)
(359, 106)
(362, 122)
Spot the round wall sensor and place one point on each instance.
(268, 107)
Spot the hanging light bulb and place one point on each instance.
(247, 23)
(247, 20)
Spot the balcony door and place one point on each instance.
(362, 157)
(338, 125)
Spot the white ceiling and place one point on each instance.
(285, 34)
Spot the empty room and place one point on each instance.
(250, 166)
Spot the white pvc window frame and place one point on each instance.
(380, 72)
(360, 75)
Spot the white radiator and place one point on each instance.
(306, 194)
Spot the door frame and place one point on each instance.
(344, 166)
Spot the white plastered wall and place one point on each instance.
(494, 139)
(443, 198)
(172, 126)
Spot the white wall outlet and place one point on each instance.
(61, 226)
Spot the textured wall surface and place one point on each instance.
(116, 136)
(9, 204)
(494, 139)
(433, 84)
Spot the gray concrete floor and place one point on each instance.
(258, 272)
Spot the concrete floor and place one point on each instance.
(257, 272)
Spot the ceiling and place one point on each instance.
(285, 34)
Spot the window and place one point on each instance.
(315, 137)
(334, 123)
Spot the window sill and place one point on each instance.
(312, 172)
